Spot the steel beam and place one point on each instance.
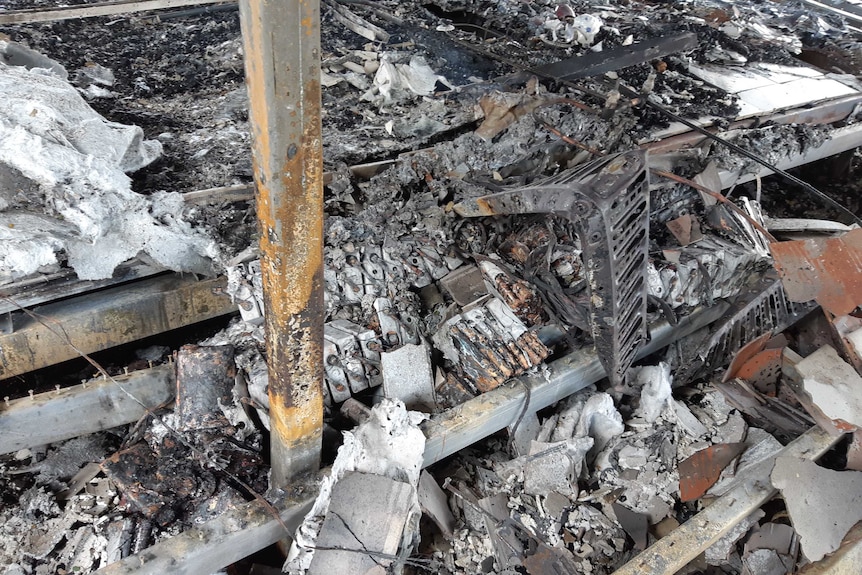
(282, 65)
(57, 13)
(98, 405)
(104, 319)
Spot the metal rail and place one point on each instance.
(100, 320)
(97, 9)
(282, 64)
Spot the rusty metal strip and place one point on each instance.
(105, 319)
(282, 64)
(63, 284)
(753, 489)
(595, 63)
(92, 10)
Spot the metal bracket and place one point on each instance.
(608, 202)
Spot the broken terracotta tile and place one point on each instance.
(828, 270)
(759, 445)
(757, 364)
(700, 471)
(823, 504)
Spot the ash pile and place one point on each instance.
(552, 343)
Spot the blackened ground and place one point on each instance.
(840, 177)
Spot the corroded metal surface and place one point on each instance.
(204, 378)
(105, 319)
(828, 270)
(282, 64)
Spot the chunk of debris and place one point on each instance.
(655, 382)
(408, 376)
(634, 523)
(758, 446)
(823, 504)
(489, 345)
(719, 552)
(828, 270)
(364, 525)
(390, 445)
(832, 386)
(700, 471)
(771, 549)
(205, 380)
(435, 505)
(555, 466)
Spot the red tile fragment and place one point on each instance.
(828, 270)
(700, 471)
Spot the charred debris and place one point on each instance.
(588, 306)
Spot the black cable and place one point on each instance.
(751, 156)
(661, 109)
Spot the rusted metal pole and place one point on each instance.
(281, 39)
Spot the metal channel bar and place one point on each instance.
(282, 64)
(98, 9)
(108, 318)
(98, 405)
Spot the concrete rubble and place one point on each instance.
(513, 190)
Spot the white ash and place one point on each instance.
(390, 444)
(64, 459)
(655, 382)
(80, 204)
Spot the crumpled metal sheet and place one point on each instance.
(828, 270)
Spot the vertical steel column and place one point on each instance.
(281, 39)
